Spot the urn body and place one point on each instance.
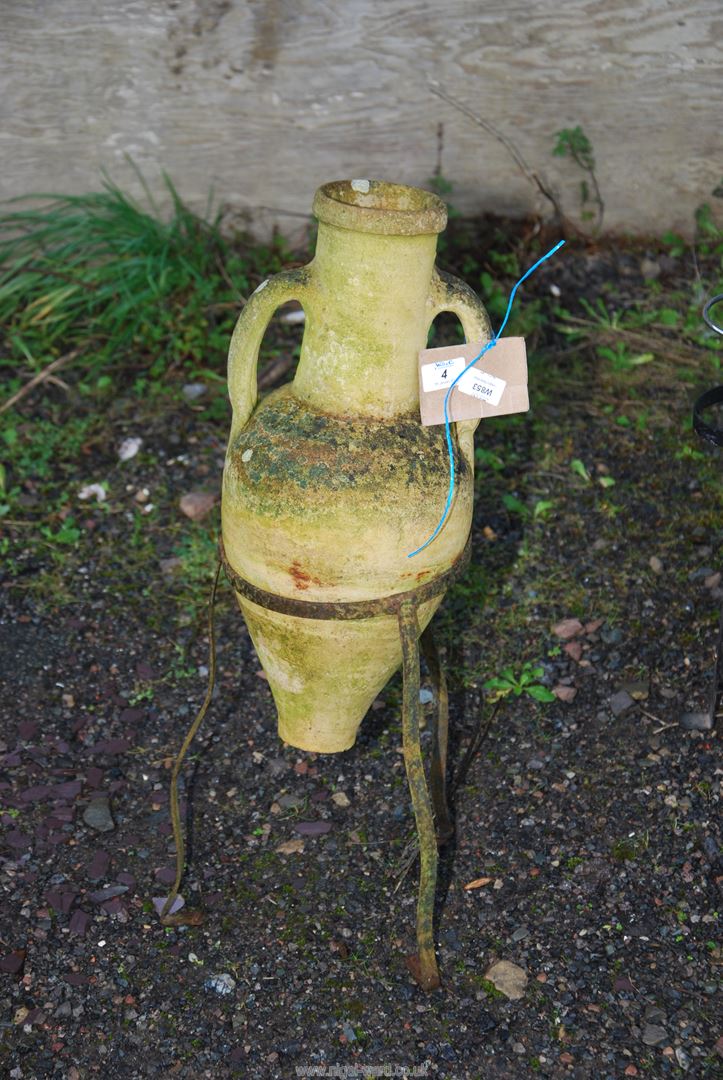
(331, 481)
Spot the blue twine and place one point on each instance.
(447, 428)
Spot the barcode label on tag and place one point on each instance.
(442, 373)
(481, 385)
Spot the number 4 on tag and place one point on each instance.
(441, 373)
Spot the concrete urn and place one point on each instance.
(331, 481)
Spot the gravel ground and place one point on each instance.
(591, 822)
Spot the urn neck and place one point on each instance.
(368, 310)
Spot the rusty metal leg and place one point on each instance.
(716, 703)
(438, 768)
(424, 965)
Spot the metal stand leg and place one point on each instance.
(438, 768)
(716, 701)
(424, 965)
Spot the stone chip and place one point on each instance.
(508, 978)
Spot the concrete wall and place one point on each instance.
(265, 99)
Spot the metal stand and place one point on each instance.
(424, 966)
(430, 810)
(714, 436)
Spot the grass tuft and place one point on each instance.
(101, 270)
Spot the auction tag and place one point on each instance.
(495, 386)
(440, 374)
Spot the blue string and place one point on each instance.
(447, 427)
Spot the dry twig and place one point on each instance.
(646, 339)
(42, 376)
(517, 157)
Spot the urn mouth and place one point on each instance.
(375, 206)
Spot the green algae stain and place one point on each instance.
(288, 445)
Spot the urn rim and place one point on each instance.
(378, 206)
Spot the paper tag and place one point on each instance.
(442, 373)
(495, 386)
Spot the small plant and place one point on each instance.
(494, 296)
(527, 319)
(707, 232)
(527, 682)
(542, 508)
(181, 667)
(68, 534)
(6, 494)
(144, 694)
(440, 185)
(38, 449)
(620, 357)
(198, 553)
(580, 469)
(505, 261)
(487, 459)
(443, 187)
(539, 511)
(574, 143)
(629, 847)
(689, 453)
(601, 324)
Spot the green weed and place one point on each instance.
(198, 553)
(539, 510)
(574, 143)
(621, 358)
(181, 667)
(67, 535)
(580, 469)
(526, 682)
(39, 449)
(629, 848)
(488, 459)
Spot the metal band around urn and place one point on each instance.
(345, 610)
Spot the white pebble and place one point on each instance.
(129, 448)
(91, 490)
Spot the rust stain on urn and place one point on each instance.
(302, 580)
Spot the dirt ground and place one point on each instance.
(592, 821)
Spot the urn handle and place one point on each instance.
(250, 328)
(449, 293)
